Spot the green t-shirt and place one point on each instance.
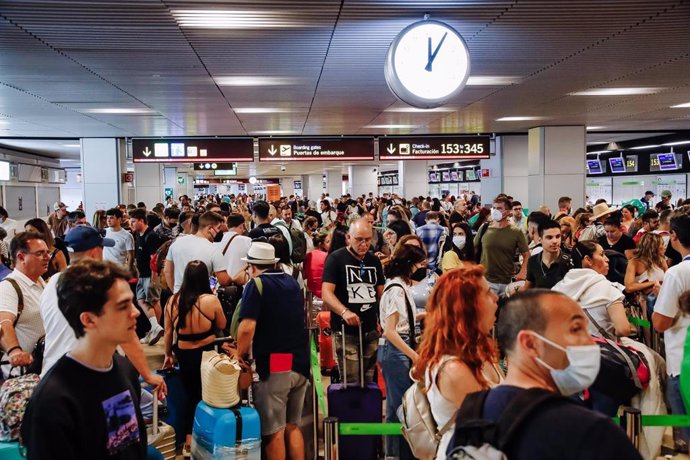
(498, 252)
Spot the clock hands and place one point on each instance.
(432, 56)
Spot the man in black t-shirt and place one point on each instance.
(535, 330)
(262, 220)
(547, 268)
(352, 287)
(87, 406)
(615, 239)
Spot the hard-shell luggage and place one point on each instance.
(11, 451)
(226, 433)
(176, 401)
(161, 435)
(356, 404)
(326, 359)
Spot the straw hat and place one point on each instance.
(601, 210)
(261, 254)
(219, 380)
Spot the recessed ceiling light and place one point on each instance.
(670, 144)
(119, 111)
(390, 126)
(254, 80)
(416, 110)
(235, 19)
(598, 151)
(71, 145)
(593, 128)
(519, 118)
(642, 147)
(276, 132)
(491, 80)
(685, 105)
(616, 91)
(267, 110)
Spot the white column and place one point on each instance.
(362, 180)
(148, 179)
(514, 156)
(287, 184)
(556, 161)
(312, 186)
(413, 178)
(334, 183)
(492, 185)
(102, 165)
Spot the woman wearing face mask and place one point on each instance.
(461, 248)
(397, 314)
(457, 355)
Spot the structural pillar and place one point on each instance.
(413, 178)
(362, 180)
(149, 181)
(287, 184)
(556, 165)
(492, 184)
(312, 186)
(103, 160)
(514, 159)
(334, 183)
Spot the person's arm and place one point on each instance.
(666, 307)
(528, 285)
(661, 322)
(522, 274)
(135, 354)
(169, 273)
(10, 343)
(219, 319)
(169, 360)
(391, 334)
(131, 262)
(245, 335)
(333, 304)
(60, 262)
(619, 319)
(223, 278)
(633, 286)
(629, 253)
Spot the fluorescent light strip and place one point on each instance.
(593, 128)
(233, 19)
(671, 144)
(71, 145)
(261, 110)
(616, 91)
(416, 110)
(276, 132)
(598, 151)
(685, 105)
(254, 80)
(491, 80)
(118, 111)
(642, 147)
(519, 118)
(391, 126)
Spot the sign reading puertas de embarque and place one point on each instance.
(316, 149)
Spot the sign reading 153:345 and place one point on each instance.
(434, 148)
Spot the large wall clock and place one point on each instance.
(427, 64)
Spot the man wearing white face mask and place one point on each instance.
(544, 335)
(498, 246)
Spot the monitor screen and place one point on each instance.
(446, 176)
(454, 175)
(594, 167)
(667, 161)
(617, 165)
(471, 174)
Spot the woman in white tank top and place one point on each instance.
(645, 271)
(457, 355)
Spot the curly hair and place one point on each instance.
(452, 324)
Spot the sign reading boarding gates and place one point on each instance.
(192, 149)
(316, 148)
(434, 148)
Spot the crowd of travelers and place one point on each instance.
(446, 292)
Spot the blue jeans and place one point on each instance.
(396, 373)
(675, 400)
(498, 288)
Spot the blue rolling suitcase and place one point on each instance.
(176, 401)
(356, 404)
(233, 433)
(11, 451)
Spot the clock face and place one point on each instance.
(427, 64)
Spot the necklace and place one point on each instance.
(541, 263)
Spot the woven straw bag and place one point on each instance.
(219, 380)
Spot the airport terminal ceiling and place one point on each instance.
(71, 69)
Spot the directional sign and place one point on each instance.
(434, 148)
(213, 165)
(316, 148)
(192, 149)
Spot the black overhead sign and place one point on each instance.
(316, 148)
(192, 149)
(434, 148)
(213, 165)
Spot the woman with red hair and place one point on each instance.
(457, 354)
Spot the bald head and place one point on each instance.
(359, 237)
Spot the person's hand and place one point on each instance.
(19, 358)
(656, 288)
(415, 357)
(520, 277)
(168, 362)
(158, 383)
(351, 319)
(230, 350)
(420, 316)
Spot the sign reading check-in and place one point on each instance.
(192, 149)
(434, 148)
(316, 149)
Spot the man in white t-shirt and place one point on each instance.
(234, 251)
(198, 246)
(20, 319)
(85, 243)
(123, 250)
(10, 225)
(667, 318)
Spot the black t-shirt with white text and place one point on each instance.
(79, 413)
(355, 287)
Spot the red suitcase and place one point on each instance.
(326, 359)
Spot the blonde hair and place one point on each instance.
(647, 250)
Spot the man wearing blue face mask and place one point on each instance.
(544, 335)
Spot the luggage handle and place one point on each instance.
(361, 357)
(155, 412)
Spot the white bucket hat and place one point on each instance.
(261, 254)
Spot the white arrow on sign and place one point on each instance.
(272, 150)
(147, 152)
(391, 149)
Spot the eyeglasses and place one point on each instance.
(39, 253)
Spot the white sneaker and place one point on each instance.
(153, 336)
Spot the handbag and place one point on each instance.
(219, 380)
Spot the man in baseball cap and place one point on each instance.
(83, 238)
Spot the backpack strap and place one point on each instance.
(412, 340)
(604, 335)
(519, 410)
(20, 299)
(471, 429)
(238, 426)
(228, 245)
